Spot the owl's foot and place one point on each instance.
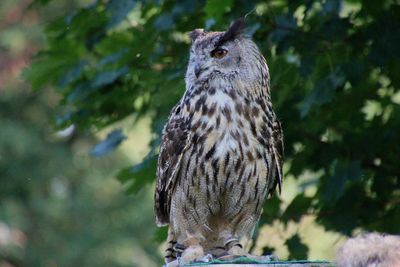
(234, 248)
(191, 254)
(237, 251)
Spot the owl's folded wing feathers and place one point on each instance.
(278, 153)
(173, 144)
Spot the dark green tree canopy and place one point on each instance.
(335, 70)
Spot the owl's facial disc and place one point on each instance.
(214, 54)
(207, 59)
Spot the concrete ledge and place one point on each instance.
(280, 264)
(246, 263)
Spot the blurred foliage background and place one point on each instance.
(105, 75)
(58, 205)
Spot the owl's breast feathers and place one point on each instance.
(218, 123)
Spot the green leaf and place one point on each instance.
(44, 71)
(297, 249)
(335, 184)
(270, 210)
(332, 7)
(81, 91)
(137, 176)
(297, 208)
(72, 74)
(285, 26)
(114, 57)
(107, 77)
(268, 250)
(164, 22)
(323, 91)
(118, 10)
(112, 141)
(41, 2)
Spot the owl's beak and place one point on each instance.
(197, 70)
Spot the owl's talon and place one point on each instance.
(178, 248)
(231, 243)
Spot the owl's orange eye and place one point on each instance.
(219, 53)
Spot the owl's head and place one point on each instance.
(226, 55)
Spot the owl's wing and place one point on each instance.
(278, 151)
(173, 144)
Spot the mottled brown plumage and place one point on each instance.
(222, 148)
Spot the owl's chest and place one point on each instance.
(226, 155)
(225, 129)
(225, 120)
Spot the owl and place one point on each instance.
(221, 152)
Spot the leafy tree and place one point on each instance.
(335, 72)
(58, 206)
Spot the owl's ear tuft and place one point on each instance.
(195, 34)
(235, 30)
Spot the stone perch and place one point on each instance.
(247, 262)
